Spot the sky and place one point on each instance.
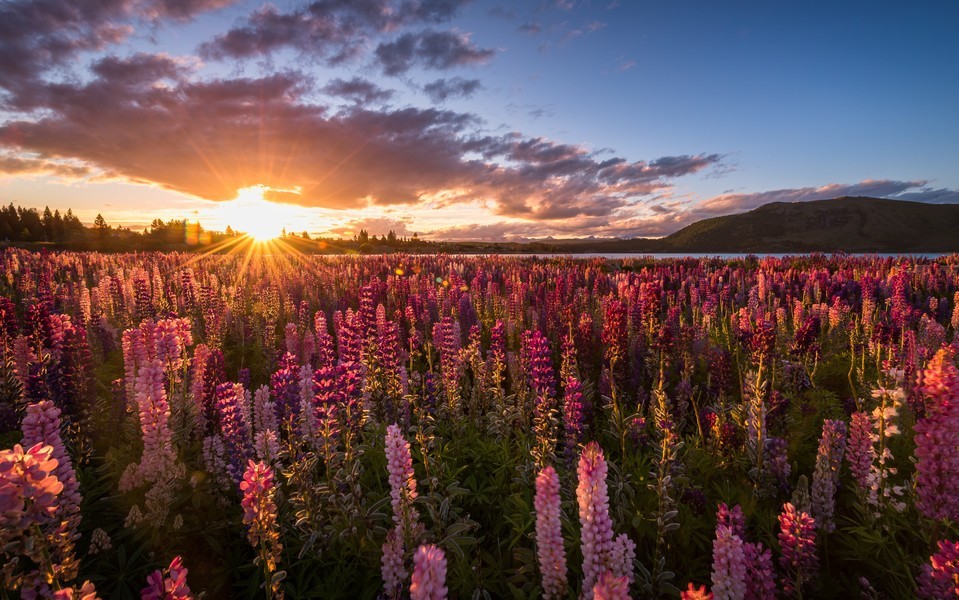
(473, 120)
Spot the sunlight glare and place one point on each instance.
(252, 214)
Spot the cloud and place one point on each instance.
(430, 49)
(880, 188)
(333, 31)
(147, 118)
(442, 90)
(19, 165)
(357, 90)
(531, 28)
(378, 226)
(39, 35)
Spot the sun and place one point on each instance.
(257, 217)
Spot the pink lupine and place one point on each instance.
(732, 518)
(41, 425)
(937, 467)
(940, 578)
(729, 565)
(597, 528)
(402, 479)
(393, 563)
(860, 452)
(259, 514)
(158, 450)
(168, 584)
(797, 538)
(611, 587)
(429, 574)
(549, 534)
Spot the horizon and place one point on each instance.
(476, 121)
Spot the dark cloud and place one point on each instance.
(18, 165)
(145, 118)
(39, 35)
(332, 31)
(438, 50)
(442, 90)
(357, 90)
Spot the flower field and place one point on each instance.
(267, 426)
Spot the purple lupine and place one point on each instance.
(542, 381)
(574, 416)
(549, 534)
(760, 574)
(597, 528)
(327, 398)
(285, 383)
(826, 476)
(937, 467)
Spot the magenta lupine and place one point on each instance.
(429, 574)
(860, 453)
(940, 578)
(325, 348)
(159, 455)
(259, 514)
(797, 539)
(610, 587)
(549, 534)
(760, 573)
(596, 533)
(446, 339)
(732, 518)
(168, 584)
(825, 478)
(937, 453)
(542, 381)
(729, 565)
(327, 400)
(574, 416)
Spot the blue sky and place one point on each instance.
(475, 120)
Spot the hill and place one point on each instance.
(850, 224)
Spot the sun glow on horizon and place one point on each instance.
(257, 217)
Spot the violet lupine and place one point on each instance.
(327, 400)
(937, 453)
(549, 534)
(259, 514)
(940, 578)
(825, 478)
(860, 453)
(285, 384)
(597, 528)
(429, 574)
(729, 565)
(611, 587)
(168, 584)
(234, 429)
(797, 538)
(622, 557)
(760, 574)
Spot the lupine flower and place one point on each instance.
(694, 593)
(549, 534)
(597, 528)
(729, 565)
(826, 476)
(860, 453)
(259, 514)
(542, 381)
(402, 479)
(234, 428)
(41, 425)
(393, 567)
(797, 537)
(940, 578)
(732, 518)
(169, 584)
(574, 415)
(611, 587)
(429, 574)
(937, 468)
(622, 557)
(760, 574)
